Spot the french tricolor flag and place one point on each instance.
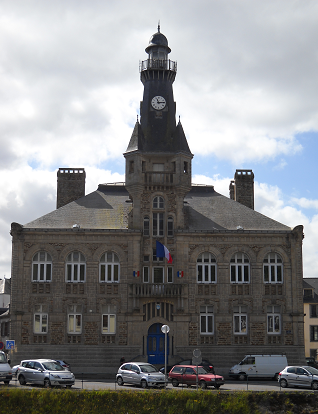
(162, 251)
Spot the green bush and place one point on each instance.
(61, 401)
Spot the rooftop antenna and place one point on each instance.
(159, 26)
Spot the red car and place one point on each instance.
(187, 374)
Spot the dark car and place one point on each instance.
(311, 362)
(189, 374)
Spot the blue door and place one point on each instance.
(156, 345)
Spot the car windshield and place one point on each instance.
(2, 359)
(148, 368)
(312, 370)
(52, 366)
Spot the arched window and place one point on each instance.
(206, 268)
(109, 268)
(273, 268)
(42, 267)
(75, 267)
(240, 268)
(146, 226)
(158, 202)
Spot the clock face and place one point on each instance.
(158, 102)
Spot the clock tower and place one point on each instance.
(158, 158)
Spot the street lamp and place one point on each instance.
(165, 329)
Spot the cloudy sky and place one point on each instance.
(246, 92)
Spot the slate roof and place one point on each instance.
(105, 208)
(5, 286)
(208, 210)
(109, 206)
(309, 283)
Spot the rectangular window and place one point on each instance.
(313, 311)
(314, 333)
(273, 320)
(74, 323)
(206, 320)
(240, 320)
(157, 224)
(108, 324)
(158, 275)
(240, 273)
(40, 320)
(170, 275)
(146, 274)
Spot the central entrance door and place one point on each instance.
(156, 345)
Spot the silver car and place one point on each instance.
(45, 372)
(140, 373)
(304, 376)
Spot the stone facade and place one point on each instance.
(93, 293)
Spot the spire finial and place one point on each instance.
(159, 26)
(137, 118)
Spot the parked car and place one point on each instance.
(45, 372)
(5, 369)
(312, 362)
(140, 373)
(64, 364)
(187, 374)
(299, 377)
(204, 363)
(15, 370)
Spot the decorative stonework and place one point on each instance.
(193, 334)
(58, 246)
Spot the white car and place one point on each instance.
(140, 373)
(45, 372)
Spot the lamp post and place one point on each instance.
(165, 329)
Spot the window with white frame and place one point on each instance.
(40, 320)
(75, 267)
(240, 320)
(206, 268)
(170, 274)
(240, 268)
(273, 268)
(108, 319)
(273, 319)
(206, 320)
(109, 268)
(74, 319)
(146, 274)
(313, 333)
(42, 267)
(157, 224)
(146, 226)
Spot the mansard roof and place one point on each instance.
(108, 208)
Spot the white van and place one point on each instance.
(5, 369)
(263, 366)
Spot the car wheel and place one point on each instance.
(22, 380)
(175, 383)
(7, 382)
(314, 385)
(275, 378)
(144, 384)
(216, 387)
(283, 383)
(203, 385)
(242, 376)
(47, 383)
(120, 381)
(68, 386)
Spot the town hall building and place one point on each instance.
(89, 287)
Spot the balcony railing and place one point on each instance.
(156, 290)
(158, 64)
(162, 178)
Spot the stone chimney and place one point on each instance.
(70, 185)
(242, 188)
